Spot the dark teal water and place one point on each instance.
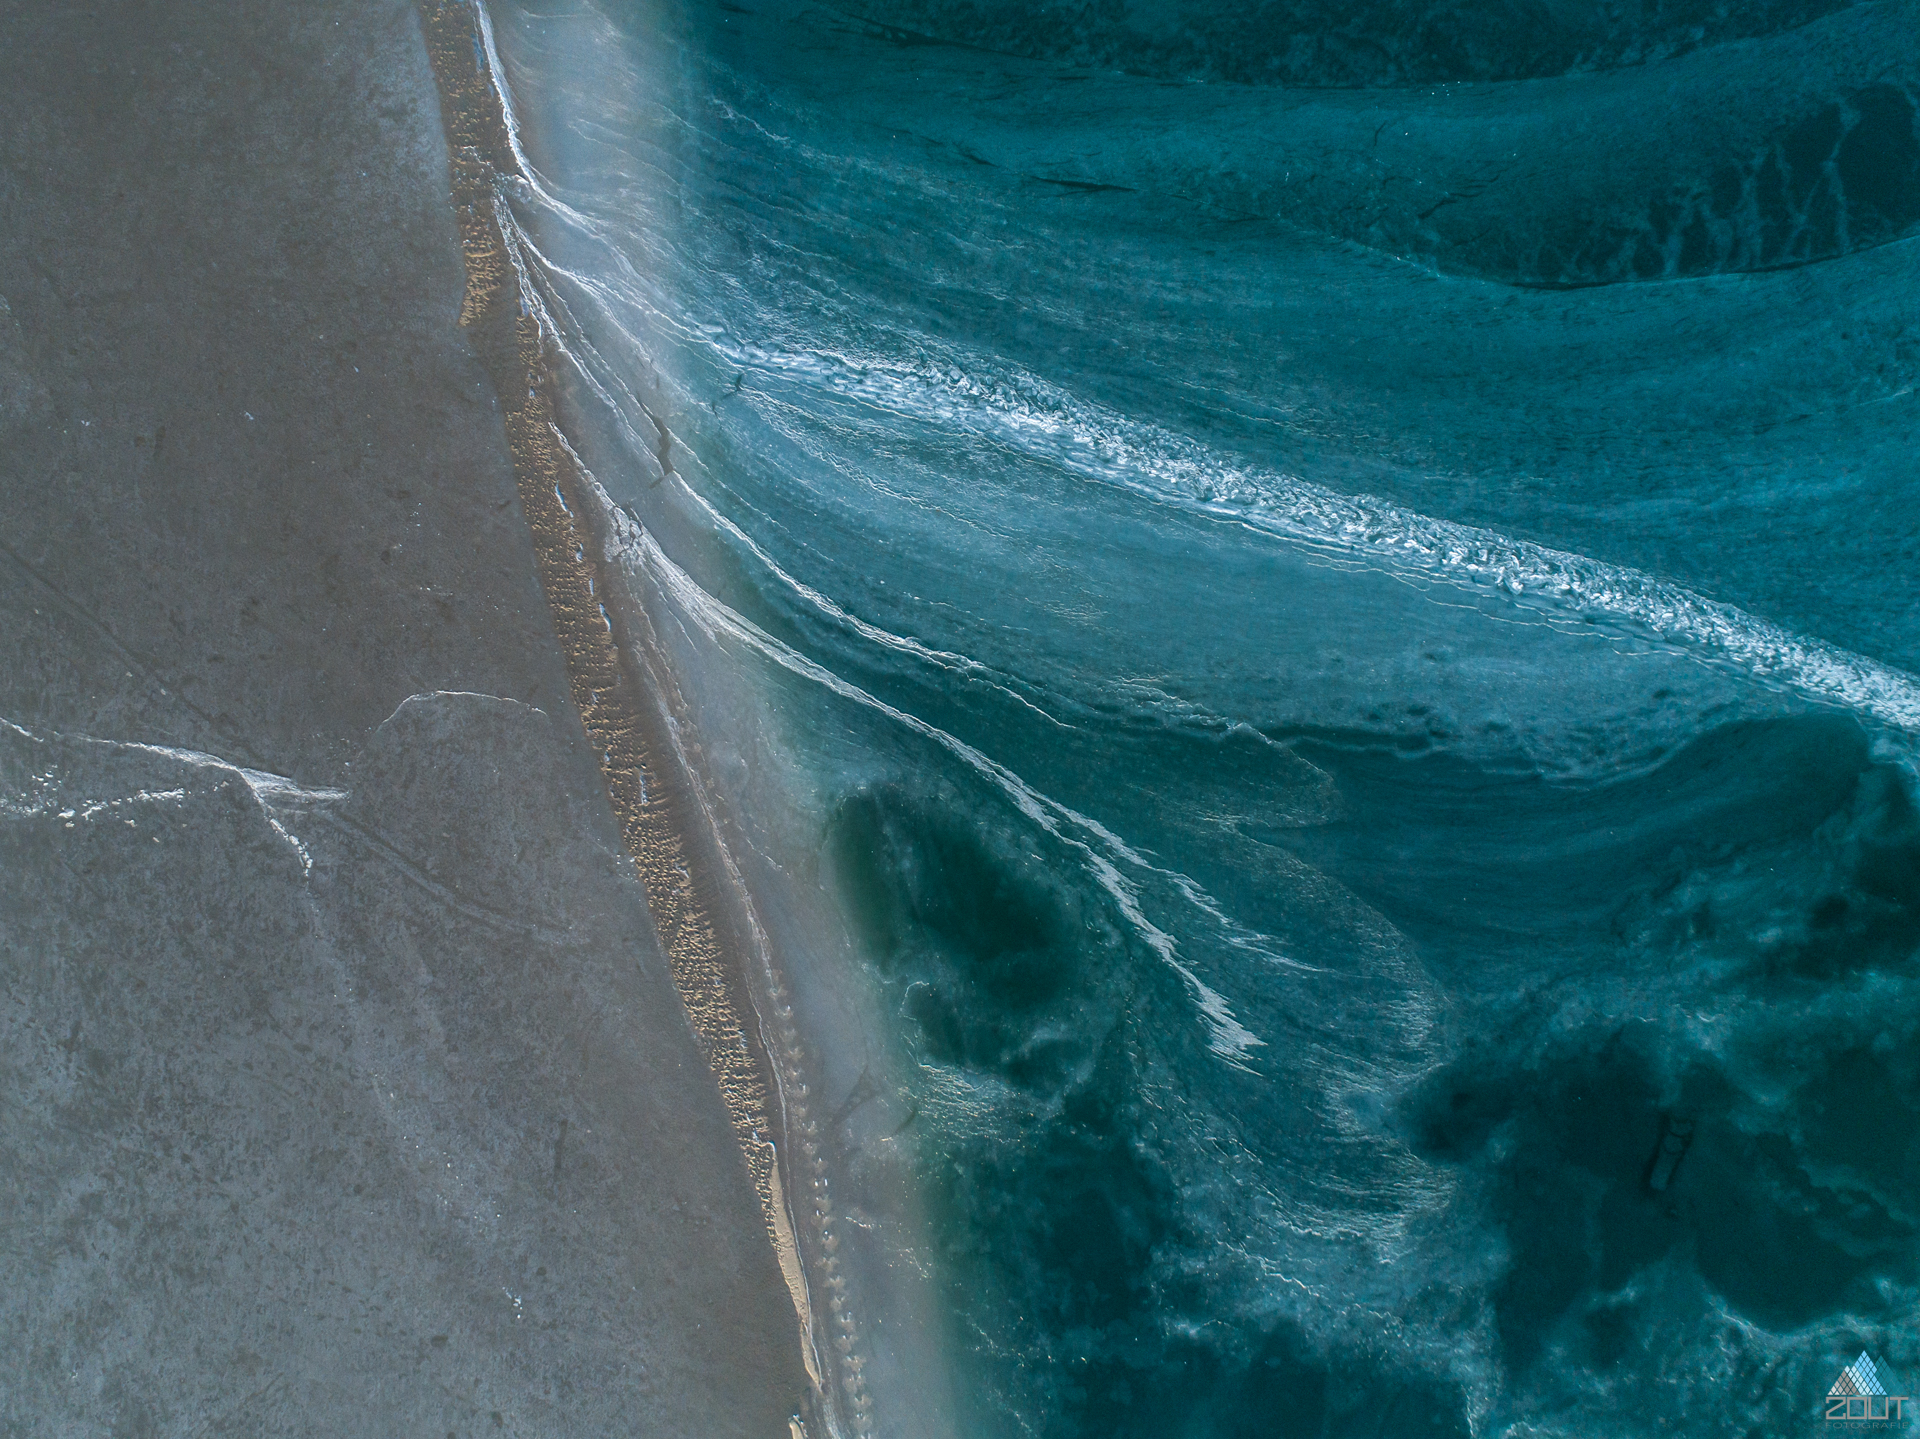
(1300, 621)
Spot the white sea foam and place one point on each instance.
(1097, 846)
(1554, 585)
(968, 394)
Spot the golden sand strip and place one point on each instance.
(670, 839)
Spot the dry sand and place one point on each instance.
(363, 1103)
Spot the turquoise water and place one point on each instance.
(1301, 628)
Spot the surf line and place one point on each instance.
(628, 706)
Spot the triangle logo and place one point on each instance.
(1859, 1396)
(1865, 1375)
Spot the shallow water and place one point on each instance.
(1294, 673)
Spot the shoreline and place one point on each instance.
(627, 704)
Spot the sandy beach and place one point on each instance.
(352, 1091)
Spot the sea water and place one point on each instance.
(1301, 627)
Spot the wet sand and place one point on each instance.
(365, 1102)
